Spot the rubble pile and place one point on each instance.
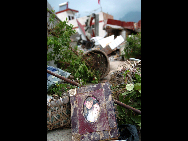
(119, 79)
(58, 112)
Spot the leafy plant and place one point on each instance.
(64, 56)
(58, 89)
(133, 46)
(131, 97)
(58, 40)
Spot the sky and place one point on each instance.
(116, 8)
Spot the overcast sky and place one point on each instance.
(116, 8)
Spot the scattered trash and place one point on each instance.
(63, 78)
(48, 98)
(58, 112)
(51, 80)
(111, 58)
(131, 59)
(117, 77)
(96, 40)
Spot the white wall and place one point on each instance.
(73, 22)
(101, 31)
(70, 13)
(123, 34)
(62, 16)
(82, 20)
(100, 16)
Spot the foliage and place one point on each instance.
(133, 46)
(58, 89)
(129, 92)
(131, 97)
(66, 57)
(86, 74)
(58, 40)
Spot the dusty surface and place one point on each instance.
(64, 134)
(59, 135)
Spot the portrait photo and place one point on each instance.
(91, 109)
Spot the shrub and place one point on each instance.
(131, 97)
(133, 46)
(126, 88)
(66, 57)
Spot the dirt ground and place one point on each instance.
(65, 134)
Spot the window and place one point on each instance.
(69, 18)
(72, 17)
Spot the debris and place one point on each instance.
(58, 112)
(61, 77)
(52, 79)
(115, 57)
(75, 37)
(107, 50)
(111, 58)
(98, 62)
(96, 40)
(48, 98)
(105, 41)
(115, 43)
(117, 77)
(110, 45)
(88, 33)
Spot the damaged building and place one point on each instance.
(106, 26)
(101, 25)
(70, 14)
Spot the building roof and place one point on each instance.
(127, 25)
(68, 9)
